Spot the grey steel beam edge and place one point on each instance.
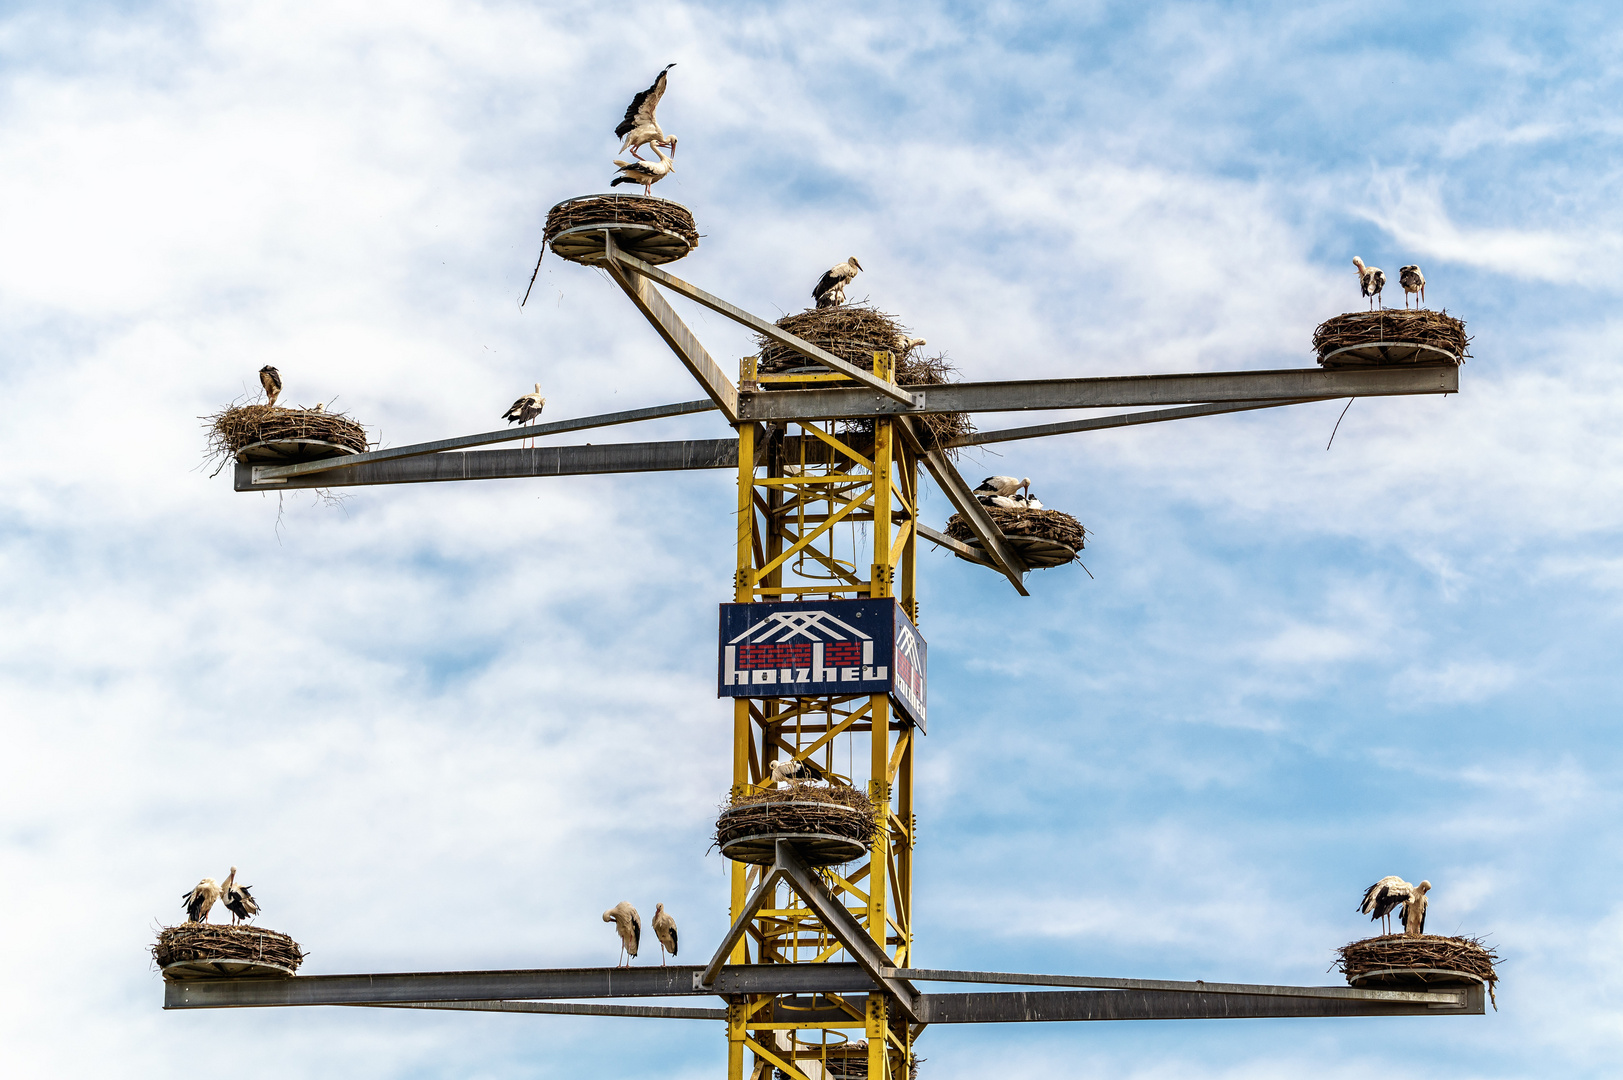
(1061, 1005)
(660, 1012)
(463, 442)
(761, 326)
(1448, 996)
(1122, 391)
(1119, 420)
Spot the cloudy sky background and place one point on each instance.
(445, 727)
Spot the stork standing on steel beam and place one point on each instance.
(640, 127)
(665, 931)
(646, 173)
(238, 900)
(526, 408)
(629, 925)
(1371, 280)
(830, 290)
(1413, 281)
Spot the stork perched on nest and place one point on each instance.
(784, 769)
(646, 173)
(1413, 281)
(1003, 485)
(238, 900)
(198, 902)
(640, 128)
(665, 931)
(1028, 501)
(905, 345)
(271, 380)
(830, 290)
(629, 925)
(1371, 280)
(1007, 502)
(1391, 893)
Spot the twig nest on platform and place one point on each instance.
(218, 951)
(1043, 538)
(854, 332)
(827, 823)
(270, 434)
(1413, 962)
(653, 230)
(1377, 338)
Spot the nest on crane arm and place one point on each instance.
(654, 230)
(1415, 961)
(848, 1063)
(854, 332)
(1388, 336)
(1043, 538)
(215, 950)
(271, 434)
(827, 823)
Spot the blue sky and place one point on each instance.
(1293, 671)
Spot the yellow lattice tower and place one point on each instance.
(798, 497)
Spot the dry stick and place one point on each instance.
(1338, 423)
(534, 272)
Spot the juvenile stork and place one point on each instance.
(1413, 281)
(271, 380)
(238, 900)
(1385, 897)
(1371, 280)
(1003, 485)
(1029, 501)
(830, 290)
(198, 902)
(646, 173)
(785, 768)
(1007, 502)
(629, 924)
(665, 931)
(905, 345)
(639, 128)
(1414, 910)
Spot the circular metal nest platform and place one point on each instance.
(1386, 353)
(221, 967)
(1413, 978)
(654, 230)
(290, 451)
(815, 848)
(1038, 552)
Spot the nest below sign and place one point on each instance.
(653, 230)
(827, 823)
(221, 951)
(1386, 337)
(1417, 962)
(1043, 538)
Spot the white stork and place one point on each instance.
(830, 290)
(198, 902)
(1385, 897)
(785, 768)
(238, 900)
(526, 408)
(1371, 280)
(1007, 502)
(271, 380)
(1413, 281)
(629, 924)
(905, 345)
(1414, 910)
(639, 127)
(646, 173)
(320, 407)
(1029, 501)
(1003, 485)
(665, 931)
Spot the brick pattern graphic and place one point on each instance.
(784, 655)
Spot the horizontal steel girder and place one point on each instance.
(1290, 384)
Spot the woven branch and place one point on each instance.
(231, 429)
(1435, 328)
(1465, 954)
(622, 210)
(1053, 525)
(222, 941)
(801, 806)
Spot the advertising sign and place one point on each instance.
(811, 648)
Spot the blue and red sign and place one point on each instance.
(812, 648)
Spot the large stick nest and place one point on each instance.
(231, 429)
(1466, 954)
(1053, 525)
(854, 332)
(222, 941)
(800, 806)
(622, 210)
(1438, 329)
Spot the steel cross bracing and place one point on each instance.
(828, 497)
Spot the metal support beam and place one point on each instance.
(761, 326)
(1054, 1005)
(582, 423)
(991, 537)
(1097, 423)
(1126, 392)
(941, 539)
(661, 1012)
(675, 332)
(1449, 996)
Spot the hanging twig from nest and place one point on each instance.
(534, 272)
